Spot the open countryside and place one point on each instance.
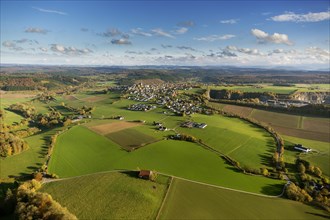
(165, 110)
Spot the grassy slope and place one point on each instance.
(119, 196)
(188, 200)
(92, 153)
(240, 140)
(278, 89)
(320, 159)
(29, 160)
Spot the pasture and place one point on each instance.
(111, 195)
(187, 200)
(321, 155)
(91, 153)
(250, 145)
(285, 90)
(258, 88)
(28, 161)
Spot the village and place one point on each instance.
(167, 95)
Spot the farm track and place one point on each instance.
(45, 181)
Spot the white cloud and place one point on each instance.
(122, 41)
(11, 45)
(181, 30)
(249, 51)
(36, 30)
(139, 31)
(214, 37)
(186, 24)
(8, 43)
(111, 32)
(69, 50)
(50, 11)
(230, 21)
(160, 32)
(276, 38)
(43, 49)
(309, 17)
(186, 48)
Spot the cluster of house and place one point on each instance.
(160, 126)
(190, 124)
(80, 117)
(141, 107)
(300, 147)
(144, 93)
(183, 105)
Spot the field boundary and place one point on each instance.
(165, 197)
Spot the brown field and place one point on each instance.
(70, 98)
(286, 124)
(316, 124)
(113, 127)
(94, 98)
(276, 119)
(239, 110)
(5, 95)
(130, 139)
(312, 135)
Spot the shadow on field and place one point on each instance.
(133, 174)
(265, 159)
(272, 189)
(319, 215)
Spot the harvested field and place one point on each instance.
(276, 119)
(113, 127)
(70, 98)
(5, 95)
(312, 135)
(239, 110)
(316, 124)
(129, 139)
(94, 98)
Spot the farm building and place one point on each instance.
(145, 174)
(302, 148)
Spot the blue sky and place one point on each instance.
(240, 33)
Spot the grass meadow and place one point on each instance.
(91, 153)
(187, 200)
(242, 141)
(109, 196)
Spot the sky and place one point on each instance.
(199, 33)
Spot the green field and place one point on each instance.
(11, 118)
(250, 145)
(320, 156)
(130, 138)
(188, 200)
(277, 89)
(258, 88)
(28, 161)
(109, 196)
(91, 153)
